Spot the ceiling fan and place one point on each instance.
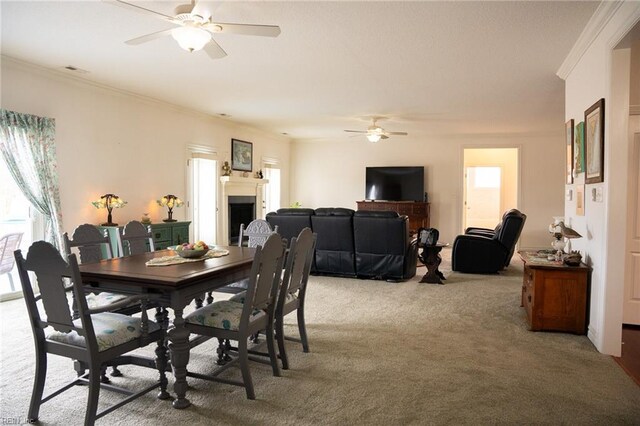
(193, 31)
(375, 133)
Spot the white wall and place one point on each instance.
(332, 174)
(109, 141)
(601, 73)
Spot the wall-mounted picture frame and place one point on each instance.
(241, 155)
(580, 200)
(594, 143)
(569, 147)
(578, 149)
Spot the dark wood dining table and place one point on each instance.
(174, 287)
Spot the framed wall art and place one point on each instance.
(578, 150)
(241, 155)
(580, 200)
(594, 143)
(569, 147)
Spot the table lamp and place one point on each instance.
(170, 201)
(109, 202)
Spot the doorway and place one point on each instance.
(490, 185)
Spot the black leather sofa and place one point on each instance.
(485, 251)
(365, 244)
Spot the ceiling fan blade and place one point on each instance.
(148, 37)
(243, 29)
(384, 137)
(141, 9)
(356, 131)
(398, 133)
(214, 50)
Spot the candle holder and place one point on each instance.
(109, 202)
(170, 201)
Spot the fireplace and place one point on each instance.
(242, 209)
(239, 190)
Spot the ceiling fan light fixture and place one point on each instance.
(374, 137)
(191, 38)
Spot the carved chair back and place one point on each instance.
(258, 231)
(135, 238)
(93, 245)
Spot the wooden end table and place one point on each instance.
(431, 258)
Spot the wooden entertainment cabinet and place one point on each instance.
(418, 212)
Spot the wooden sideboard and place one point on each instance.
(554, 295)
(165, 234)
(418, 212)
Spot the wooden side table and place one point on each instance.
(554, 295)
(431, 258)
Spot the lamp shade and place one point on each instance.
(191, 38)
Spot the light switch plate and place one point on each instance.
(596, 194)
(569, 194)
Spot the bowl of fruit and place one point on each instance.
(192, 250)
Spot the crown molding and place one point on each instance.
(78, 79)
(597, 22)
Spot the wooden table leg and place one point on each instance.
(179, 351)
(431, 258)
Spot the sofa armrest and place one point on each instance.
(479, 231)
(411, 260)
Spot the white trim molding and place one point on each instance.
(598, 21)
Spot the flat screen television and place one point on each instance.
(395, 183)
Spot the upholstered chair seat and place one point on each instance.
(224, 314)
(111, 330)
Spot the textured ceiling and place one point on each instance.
(431, 67)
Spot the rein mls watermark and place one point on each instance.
(16, 421)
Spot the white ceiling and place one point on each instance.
(431, 67)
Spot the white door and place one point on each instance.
(483, 188)
(272, 189)
(631, 308)
(203, 196)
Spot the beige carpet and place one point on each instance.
(381, 353)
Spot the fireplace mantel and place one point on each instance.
(237, 185)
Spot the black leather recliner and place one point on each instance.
(383, 245)
(335, 252)
(492, 232)
(486, 253)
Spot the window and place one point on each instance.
(487, 177)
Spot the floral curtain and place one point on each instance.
(27, 145)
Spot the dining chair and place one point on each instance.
(93, 246)
(9, 243)
(292, 291)
(239, 321)
(136, 238)
(257, 233)
(98, 338)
